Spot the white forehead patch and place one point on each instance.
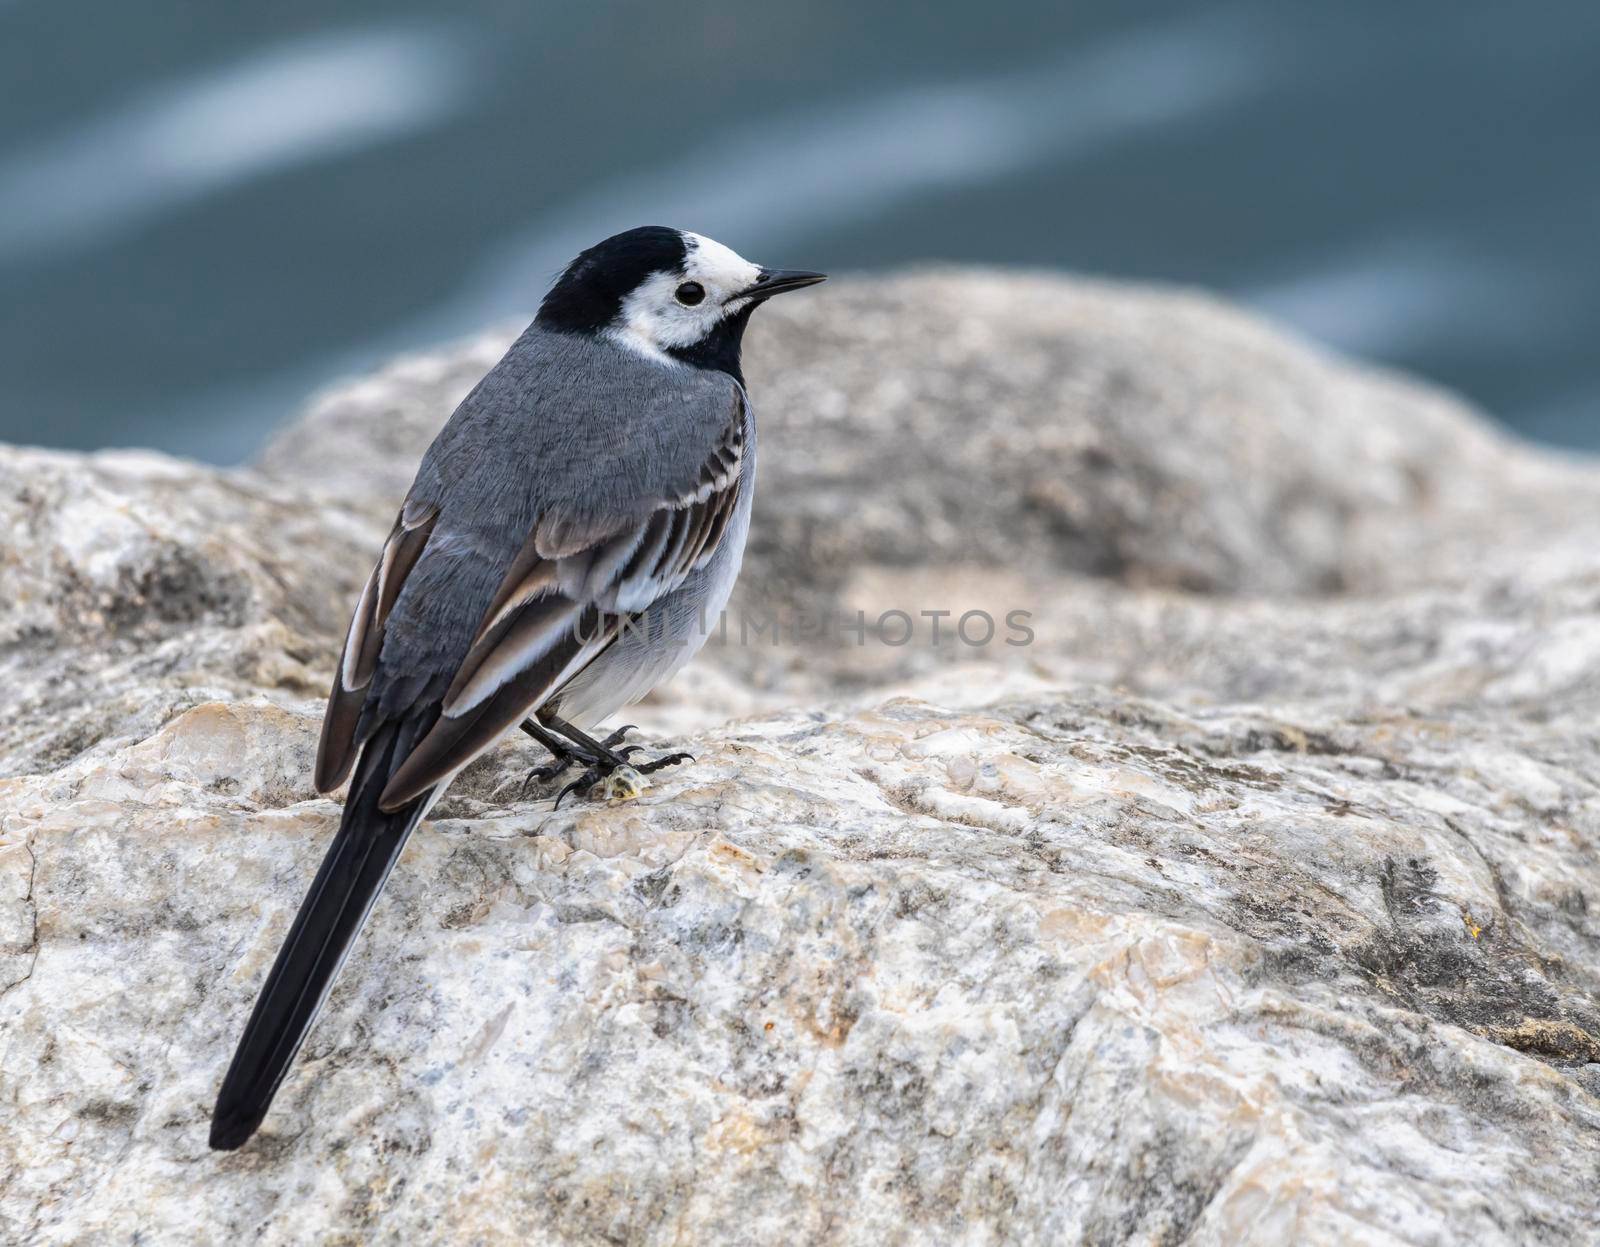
(653, 320)
(709, 262)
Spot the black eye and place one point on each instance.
(690, 293)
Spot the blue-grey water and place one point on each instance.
(206, 211)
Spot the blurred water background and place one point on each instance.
(208, 210)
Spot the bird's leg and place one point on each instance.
(607, 764)
(567, 752)
(563, 754)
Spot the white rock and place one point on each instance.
(1227, 919)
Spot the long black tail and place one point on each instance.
(352, 875)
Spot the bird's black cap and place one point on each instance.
(587, 295)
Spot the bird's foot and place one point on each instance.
(538, 776)
(565, 754)
(617, 778)
(609, 773)
(672, 759)
(620, 735)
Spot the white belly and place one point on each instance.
(672, 633)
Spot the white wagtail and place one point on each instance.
(600, 474)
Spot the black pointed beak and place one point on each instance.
(776, 280)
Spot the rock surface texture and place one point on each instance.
(1253, 902)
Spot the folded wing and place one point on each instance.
(336, 751)
(578, 577)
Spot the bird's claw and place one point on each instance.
(586, 780)
(621, 783)
(544, 774)
(672, 759)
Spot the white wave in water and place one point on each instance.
(758, 185)
(1402, 295)
(295, 103)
